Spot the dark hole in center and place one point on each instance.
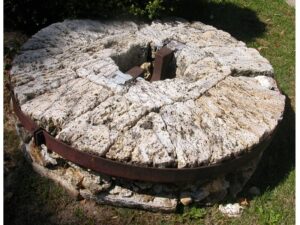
(150, 63)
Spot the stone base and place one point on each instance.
(83, 183)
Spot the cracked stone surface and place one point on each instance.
(70, 78)
(222, 99)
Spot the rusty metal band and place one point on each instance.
(162, 59)
(133, 172)
(25, 120)
(135, 72)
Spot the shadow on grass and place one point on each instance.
(30, 196)
(278, 159)
(242, 23)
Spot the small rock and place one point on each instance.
(231, 210)
(186, 200)
(74, 176)
(254, 191)
(244, 202)
(48, 160)
(148, 198)
(146, 67)
(117, 190)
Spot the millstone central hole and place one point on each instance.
(148, 62)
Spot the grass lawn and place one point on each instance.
(268, 26)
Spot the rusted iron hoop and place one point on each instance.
(127, 171)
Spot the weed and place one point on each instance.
(194, 213)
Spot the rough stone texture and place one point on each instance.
(222, 101)
(231, 210)
(83, 183)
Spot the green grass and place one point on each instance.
(268, 26)
(278, 42)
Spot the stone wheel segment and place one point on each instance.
(222, 101)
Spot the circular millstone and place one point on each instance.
(218, 100)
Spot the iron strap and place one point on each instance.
(25, 120)
(127, 171)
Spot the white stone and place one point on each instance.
(231, 210)
(200, 117)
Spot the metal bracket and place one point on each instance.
(39, 137)
(135, 72)
(162, 59)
